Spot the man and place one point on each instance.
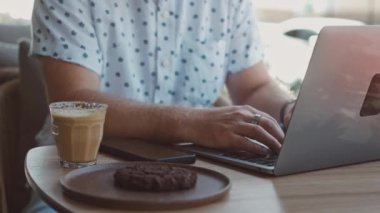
(160, 65)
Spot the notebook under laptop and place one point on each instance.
(336, 119)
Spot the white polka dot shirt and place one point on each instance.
(176, 52)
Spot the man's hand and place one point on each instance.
(232, 128)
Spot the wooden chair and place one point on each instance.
(23, 109)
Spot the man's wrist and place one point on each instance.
(283, 112)
(186, 124)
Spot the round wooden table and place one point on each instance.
(346, 189)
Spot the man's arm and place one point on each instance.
(125, 118)
(255, 87)
(224, 127)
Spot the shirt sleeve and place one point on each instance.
(245, 48)
(62, 29)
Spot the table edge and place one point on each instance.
(44, 196)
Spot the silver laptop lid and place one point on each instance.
(329, 126)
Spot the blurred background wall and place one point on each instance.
(367, 11)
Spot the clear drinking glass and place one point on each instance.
(78, 130)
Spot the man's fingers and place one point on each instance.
(242, 143)
(272, 127)
(266, 121)
(255, 111)
(258, 133)
(269, 124)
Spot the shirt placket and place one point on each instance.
(164, 64)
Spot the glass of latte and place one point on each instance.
(78, 130)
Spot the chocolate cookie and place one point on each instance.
(154, 177)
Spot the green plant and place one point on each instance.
(295, 86)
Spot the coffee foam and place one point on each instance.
(76, 109)
(74, 112)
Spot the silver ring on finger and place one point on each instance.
(256, 119)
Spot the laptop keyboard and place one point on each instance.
(269, 160)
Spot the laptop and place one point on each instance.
(336, 120)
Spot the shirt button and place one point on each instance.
(164, 14)
(164, 63)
